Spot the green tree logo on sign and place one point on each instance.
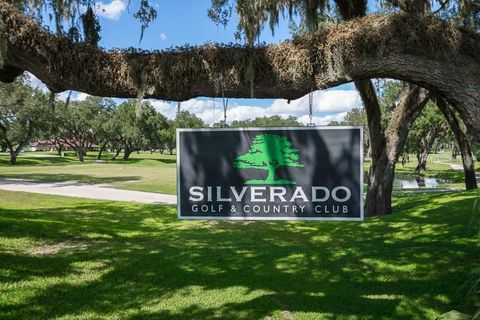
(269, 152)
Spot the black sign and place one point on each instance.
(310, 173)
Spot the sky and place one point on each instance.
(186, 22)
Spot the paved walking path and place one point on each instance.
(456, 167)
(96, 191)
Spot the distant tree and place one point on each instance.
(186, 119)
(220, 124)
(273, 121)
(3, 146)
(102, 125)
(269, 152)
(153, 123)
(129, 128)
(131, 132)
(79, 124)
(168, 137)
(357, 117)
(24, 113)
(183, 119)
(429, 127)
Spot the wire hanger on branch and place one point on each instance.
(310, 109)
(224, 102)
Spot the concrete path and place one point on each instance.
(95, 191)
(456, 167)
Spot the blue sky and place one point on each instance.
(186, 22)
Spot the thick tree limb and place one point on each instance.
(462, 141)
(422, 50)
(411, 103)
(374, 115)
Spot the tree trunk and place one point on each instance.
(380, 186)
(117, 152)
(425, 148)
(101, 151)
(378, 191)
(13, 157)
(58, 146)
(386, 147)
(127, 152)
(80, 154)
(463, 143)
(422, 161)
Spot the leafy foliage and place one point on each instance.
(24, 114)
(67, 13)
(272, 121)
(79, 123)
(145, 14)
(91, 27)
(254, 15)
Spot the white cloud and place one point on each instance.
(36, 83)
(336, 103)
(163, 36)
(112, 10)
(210, 111)
(166, 108)
(64, 95)
(323, 101)
(80, 96)
(321, 121)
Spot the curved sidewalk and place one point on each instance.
(95, 191)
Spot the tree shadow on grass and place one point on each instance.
(70, 159)
(141, 263)
(38, 161)
(146, 160)
(58, 177)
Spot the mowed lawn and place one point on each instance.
(69, 258)
(153, 172)
(143, 172)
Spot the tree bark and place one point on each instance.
(99, 157)
(377, 148)
(117, 152)
(127, 152)
(395, 46)
(422, 157)
(463, 143)
(425, 147)
(59, 149)
(80, 154)
(382, 171)
(13, 157)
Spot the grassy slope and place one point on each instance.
(144, 172)
(82, 259)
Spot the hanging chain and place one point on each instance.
(310, 108)
(224, 101)
(178, 107)
(225, 107)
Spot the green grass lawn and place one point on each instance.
(68, 258)
(143, 172)
(147, 172)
